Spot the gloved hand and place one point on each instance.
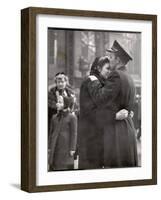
(122, 114)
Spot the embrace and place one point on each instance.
(106, 134)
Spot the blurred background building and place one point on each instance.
(73, 51)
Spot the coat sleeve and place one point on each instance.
(104, 94)
(52, 100)
(51, 130)
(73, 132)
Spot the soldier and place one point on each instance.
(120, 149)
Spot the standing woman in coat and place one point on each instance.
(63, 131)
(120, 149)
(63, 88)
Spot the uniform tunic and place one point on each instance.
(119, 137)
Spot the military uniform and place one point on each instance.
(118, 135)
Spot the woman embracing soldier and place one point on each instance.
(106, 134)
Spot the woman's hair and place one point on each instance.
(94, 69)
(102, 61)
(61, 75)
(98, 63)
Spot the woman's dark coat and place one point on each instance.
(118, 136)
(63, 139)
(90, 141)
(52, 100)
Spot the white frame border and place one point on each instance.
(89, 176)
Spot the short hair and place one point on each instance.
(60, 76)
(59, 73)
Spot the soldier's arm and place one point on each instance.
(104, 94)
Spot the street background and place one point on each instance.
(10, 99)
(73, 51)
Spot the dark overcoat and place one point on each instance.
(63, 139)
(119, 136)
(90, 141)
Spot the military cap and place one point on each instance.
(120, 52)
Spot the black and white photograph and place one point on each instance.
(94, 99)
(89, 99)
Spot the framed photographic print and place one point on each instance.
(88, 99)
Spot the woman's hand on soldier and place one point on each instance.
(122, 114)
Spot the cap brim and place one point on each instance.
(111, 50)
